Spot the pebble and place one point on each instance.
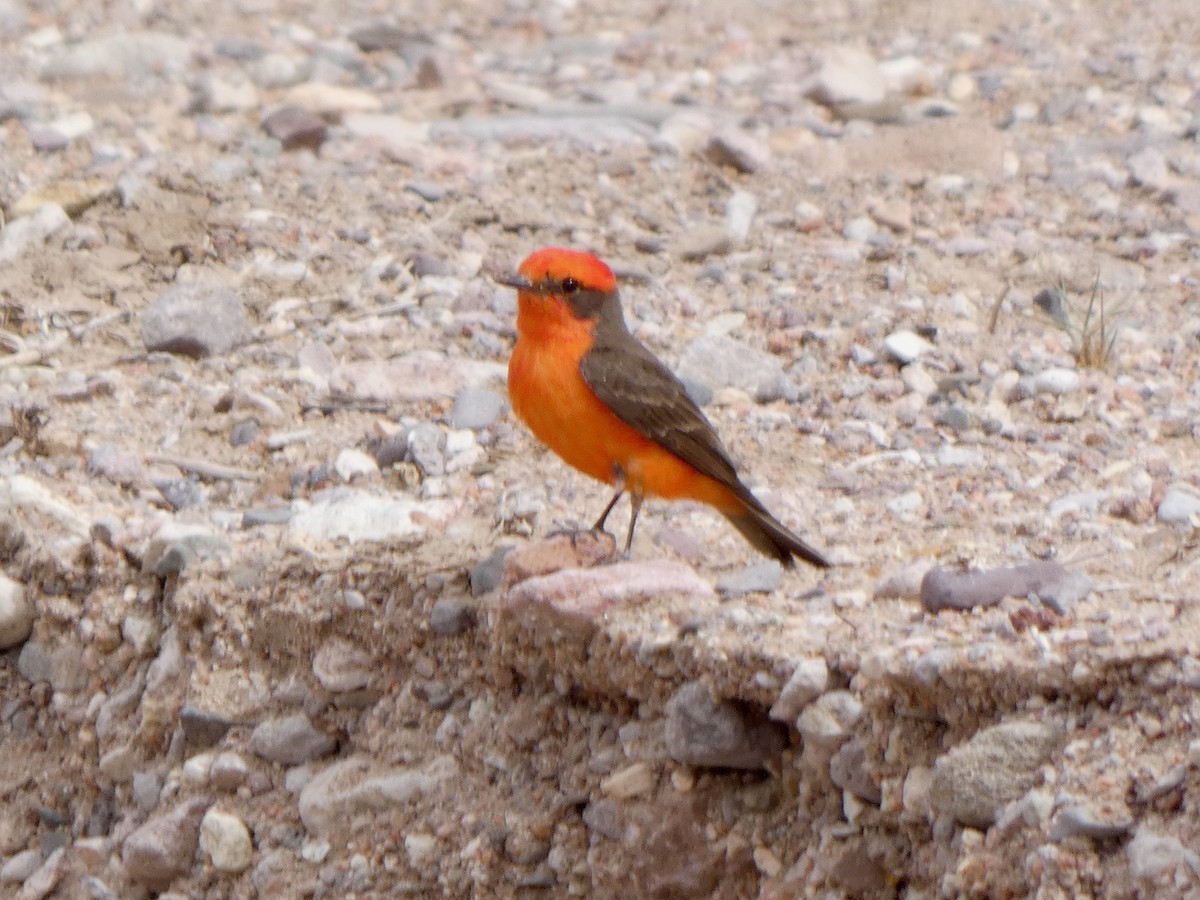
(476, 408)
(721, 361)
(60, 666)
(202, 729)
(1052, 583)
(740, 210)
(1079, 818)
(738, 149)
(195, 319)
(702, 731)
(228, 772)
(226, 840)
(132, 55)
(848, 74)
(340, 666)
(1152, 855)
(848, 769)
(354, 516)
(162, 849)
(975, 780)
(632, 781)
(118, 763)
(906, 504)
(291, 741)
(17, 613)
(1058, 382)
(21, 865)
(486, 575)
(828, 721)
(906, 346)
(453, 616)
(145, 789)
(808, 681)
(42, 882)
(358, 784)
(296, 128)
(1180, 505)
(73, 196)
(353, 464)
(29, 232)
(703, 241)
(121, 467)
(761, 578)
(331, 101)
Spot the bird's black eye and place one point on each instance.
(570, 285)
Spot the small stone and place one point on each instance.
(740, 210)
(1153, 855)
(702, 242)
(848, 74)
(291, 741)
(162, 849)
(228, 771)
(1180, 505)
(16, 613)
(485, 576)
(809, 680)
(225, 838)
(182, 493)
(194, 319)
(452, 616)
(828, 721)
(738, 149)
(332, 101)
(426, 445)
(476, 408)
(1053, 584)
(702, 731)
(1056, 381)
(975, 780)
(358, 785)
(427, 190)
(22, 235)
(243, 433)
(721, 361)
(631, 781)
(296, 128)
(848, 770)
(1079, 818)
(355, 516)
(42, 882)
(1148, 168)
(21, 865)
(73, 196)
(906, 346)
(906, 504)
(121, 467)
(760, 578)
(118, 763)
(340, 666)
(61, 667)
(202, 729)
(353, 464)
(145, 790)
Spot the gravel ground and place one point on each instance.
(933, 273)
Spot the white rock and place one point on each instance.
(16, 613)
(1180, 505)
(848, 75)
(905, 346)
(351, 464)
(1056, 381)
(22, 235)
(224, 837)
(808, 681)
(358, 516)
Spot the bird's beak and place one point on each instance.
(520, 282)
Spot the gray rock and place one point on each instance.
(760, 578)
(1078, 818)
(848, 770)
(426, 446)
(243, 433)
(194, 319)
(848, 75)
(61, 666)
(701, 731)
(145, 790)
(16, 613)
(296, 128)
(975, 780)
(118, 763)
(1179, 505)
(1056, 381)
(182, 493)
(228, 772)
(1148, 168)
(721, 361)
(451, 616)
(277, 515)
(202, 729)
(486, 575)
(162, 849)
(476, 408)
(359, 784)
(1077, 503)
(1054, 585)
(291, 741)
(809, 680)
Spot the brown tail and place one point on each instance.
(768, 535)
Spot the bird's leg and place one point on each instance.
(635, 500)
(619, 483)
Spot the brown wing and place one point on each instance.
(644, 394)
